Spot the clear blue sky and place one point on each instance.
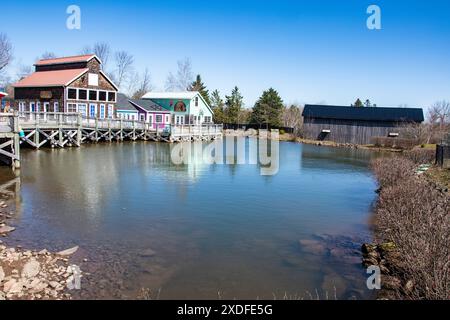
(310, 51)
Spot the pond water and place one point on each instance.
(153, 229)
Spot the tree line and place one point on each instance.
(269, 110)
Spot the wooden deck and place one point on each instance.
(72, 129)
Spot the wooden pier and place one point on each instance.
(59, 130)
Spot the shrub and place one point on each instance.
(421, 156)
(416, 217)
(396, 143)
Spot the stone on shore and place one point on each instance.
(6, 229)
(2, 274)
(31, 269)
(68, 252)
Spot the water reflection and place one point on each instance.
(209, 228)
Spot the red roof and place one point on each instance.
(56, 78)
(73, 59)
(3, 94)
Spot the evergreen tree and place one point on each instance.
(268, 109)
(358, 103)
(217, 105)
(199, 86)
(233, 106)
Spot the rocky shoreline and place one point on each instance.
(33, 275)
(387, 257)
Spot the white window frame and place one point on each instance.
(150, 119)
(95, 110)
(56, 106)
(110, 111)
(78, 94)
(81, 107)
(71, 105)
(22, 106)
(102, 111)
(160, 117)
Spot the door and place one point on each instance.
(102, 111)
(92, 110)
(45, 109)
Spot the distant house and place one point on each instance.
(68, 84)
(185, 107)
(125, 109)
(142, 110)
(356, 125)
(152, 113)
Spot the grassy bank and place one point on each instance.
(413, 216)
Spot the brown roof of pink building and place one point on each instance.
(54, 78)
(73, 59)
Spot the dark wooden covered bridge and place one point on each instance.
(356, 125)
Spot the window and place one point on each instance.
(92, 95)
(142, 117)
(111, 96)
(22, 106)
(102, 111)
(32, 106)
(150, 119)
(93, 79)
(102, 96)
(82, 108)
(158, 118)
(196, 101)
(110, 111)
(167, 119)
(38, 107)
(71, 107)
(92, 110)
(208, 119)
(72, 94)
(46, 105)
(133, 117)
(56, 107)
(82, 94)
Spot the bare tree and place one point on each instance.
(124, 67)
(183, 79)
(142, 85)
(439, 113)
(47, 55)
(5, 52)
(292, 117)
(101, 50)
(23, 71)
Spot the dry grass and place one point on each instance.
(414, 215)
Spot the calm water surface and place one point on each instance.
(199, 231)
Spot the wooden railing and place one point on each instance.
(58, 119)
(9, 122)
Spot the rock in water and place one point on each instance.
(6, 229)
(31, 269)
(313, 246)
(147, 253)
(68, 252)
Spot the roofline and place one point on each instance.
(335, 106)
(138, 106)
(197, 93)
(58, 63)
(110, 81)
(79, 75)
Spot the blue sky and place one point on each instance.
(310, 51)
